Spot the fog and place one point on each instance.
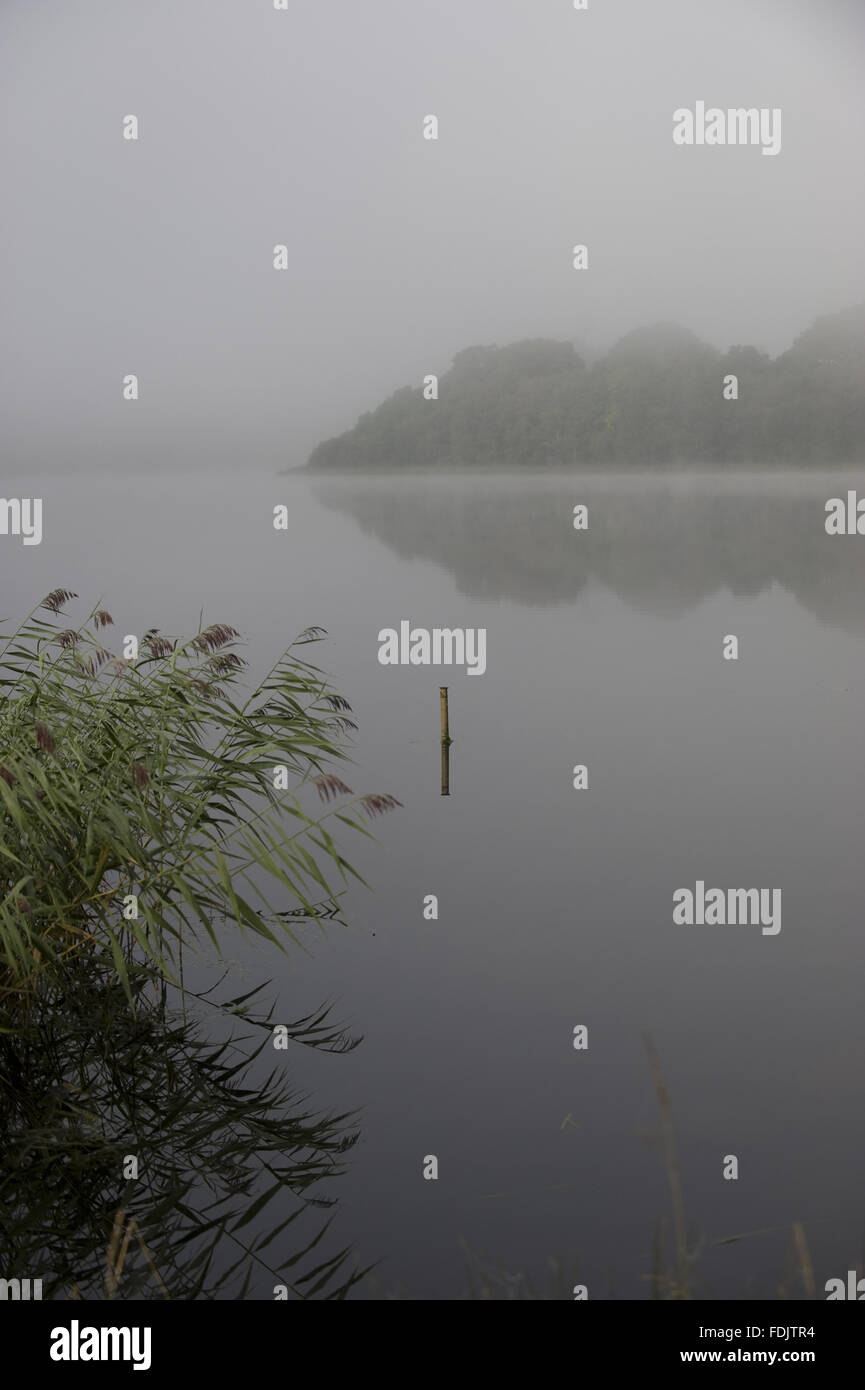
(305, 128)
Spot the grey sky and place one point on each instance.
(259, 127)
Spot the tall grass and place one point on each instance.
(232, 1167)
(140, 802)
(144, 799)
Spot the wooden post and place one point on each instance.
(443, 700)
(446, 741)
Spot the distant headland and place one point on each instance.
(660, 398)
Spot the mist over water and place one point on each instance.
(304, 129)
(603, 648)
(297, 137)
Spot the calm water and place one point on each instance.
(603, 648)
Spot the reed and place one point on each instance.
(235, 1168)
(140, 802)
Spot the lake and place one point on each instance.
(555, 905)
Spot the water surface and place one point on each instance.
(555, 905)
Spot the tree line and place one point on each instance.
(659, 397)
